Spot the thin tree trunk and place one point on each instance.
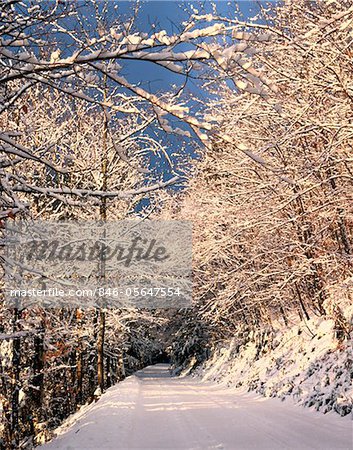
(340, 217)
(16, 360)
(38, 375)
(305, 312)
(103, 216)
(100, 347)
(79, 360)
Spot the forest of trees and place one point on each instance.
(273, 238)
(260, 163)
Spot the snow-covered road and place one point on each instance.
(151, 410)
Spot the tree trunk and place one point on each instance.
(16, 360)
(103, 216)
(38, 375)
(100, 349)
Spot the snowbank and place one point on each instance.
(306, 362)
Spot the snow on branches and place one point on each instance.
(50, 45)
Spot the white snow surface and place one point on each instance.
(152, 410)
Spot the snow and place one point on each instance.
(18, 334)
(252, 155)
(241, 84)
(304, 362)
(151, 410)
(212, 30)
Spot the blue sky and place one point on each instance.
(154, 16)
(168, 15)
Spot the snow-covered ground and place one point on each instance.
(151, 410)
(304, 361)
